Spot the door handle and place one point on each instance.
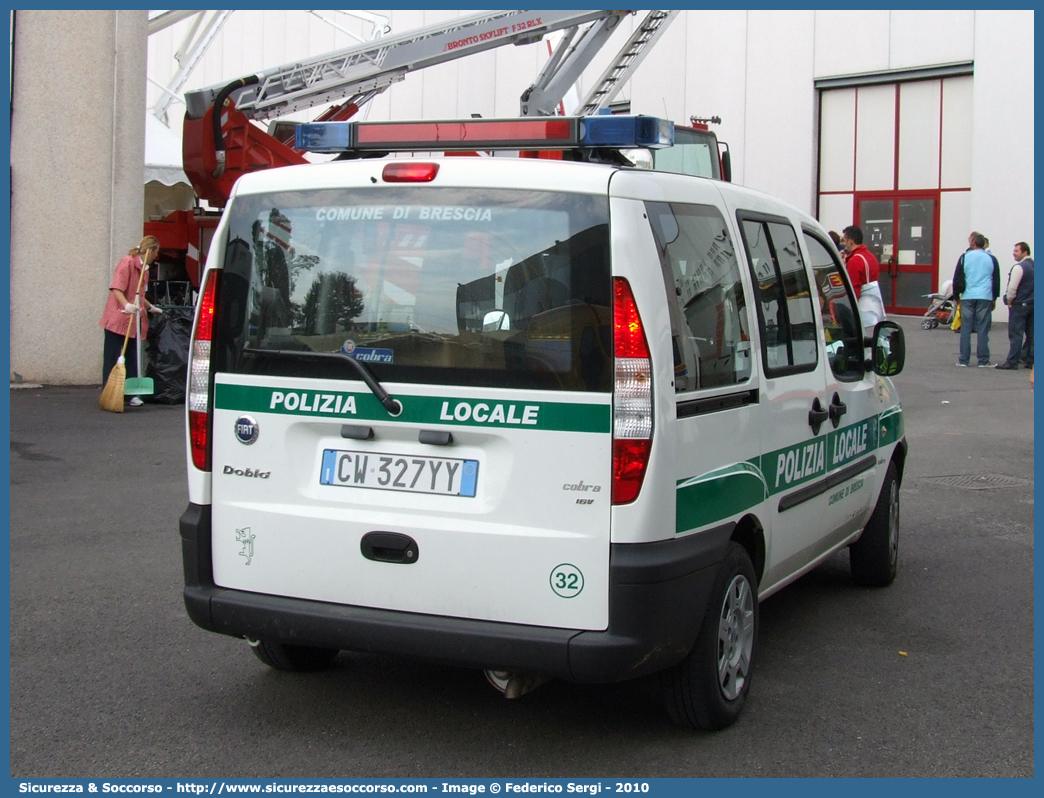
(390, 547)
(836, 410)
(817, 415)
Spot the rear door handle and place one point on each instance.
(836, 410)
(817, 415)
(392, 547)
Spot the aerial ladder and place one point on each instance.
(220, 146)
(204, 27)
(222, 140)
(620, 70)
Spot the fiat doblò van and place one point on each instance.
(543, 418)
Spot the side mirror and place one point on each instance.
(888, 349)
(496, 320)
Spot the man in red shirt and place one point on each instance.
(863, 271)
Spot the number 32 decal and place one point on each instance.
(567, 580)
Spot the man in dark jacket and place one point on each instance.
(1019, 299)
(976, 281)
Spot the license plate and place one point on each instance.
(443, 476)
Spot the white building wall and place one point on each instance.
(77, 182)
(916, 38)
(851, 42)
(780, 111)
(1002, 124)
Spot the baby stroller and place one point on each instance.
(940, 308)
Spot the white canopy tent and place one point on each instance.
(167, 188)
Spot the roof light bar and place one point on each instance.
(324, 136)
(543, 133)
(471, 134)
(626, 131)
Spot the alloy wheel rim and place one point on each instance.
(735, 638)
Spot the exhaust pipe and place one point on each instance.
(515, 685)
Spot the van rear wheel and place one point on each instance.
(287, 657)
(875, 555)
(708, 689)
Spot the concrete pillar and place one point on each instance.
(77, 182)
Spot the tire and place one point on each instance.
(695, 692)
(875, 555)
(926, 324)
(286, 657)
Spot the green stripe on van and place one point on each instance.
(792, 466)
(892, 427)
(727, 492)
(718, 495)
(457, 411)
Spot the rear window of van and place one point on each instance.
(498, 288)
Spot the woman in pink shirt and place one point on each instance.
(121, 307)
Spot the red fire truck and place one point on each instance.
(222, 138)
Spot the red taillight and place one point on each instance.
(632, 396)
(410, 172)
(628, 335)
(205, 325)
(199, 375)
(198, 437)
(630, 456)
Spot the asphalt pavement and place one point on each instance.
(932, 676)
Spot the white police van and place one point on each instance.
(547, 416)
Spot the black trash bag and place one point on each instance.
(168, 348)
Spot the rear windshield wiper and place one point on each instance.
(393, 406)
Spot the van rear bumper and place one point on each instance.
(657, 598)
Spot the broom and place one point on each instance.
(112, 395)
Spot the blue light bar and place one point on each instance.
(547, 133)
(626, 131)
(323, 136)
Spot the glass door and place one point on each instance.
(900, 228)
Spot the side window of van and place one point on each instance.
(844, 336)
(708, 312)
(784, 298)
